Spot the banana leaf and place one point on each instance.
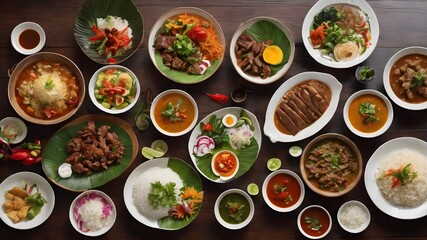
(93, 9)
(55, 153)
(191, 179)
(265, 30)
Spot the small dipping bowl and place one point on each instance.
(347, 213)
(316, 213)
(28, 38)
(13, 126)
(238, 95)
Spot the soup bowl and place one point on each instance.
(314, 222)
(335, 147)
(390, 78)
(283, 190)
(365, 124)
(174, 112)
(232, 199)
(48, 116)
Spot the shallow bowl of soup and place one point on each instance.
(283, 190)
(404, 78)
(262, 50)
(46, 88)
(114, 89)
(234, 209)
(174, 112)
(314, 222)
(368, 113)
(331, 165)
(186, 45)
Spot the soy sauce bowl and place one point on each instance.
(28, 38)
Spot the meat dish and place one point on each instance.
(94, 150)
(302, 106)
(249, 54)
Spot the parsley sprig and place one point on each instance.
(162, 195)
(367, 110)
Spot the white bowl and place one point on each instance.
(380, 131)
(270, 129)
(231, 225)
(305, 233)
(15, 125)
(386, 77)
(19, 29)
(363, 225)
(91, 89)
(242, 28)
(315, 53)
(156, 101)
(225, 178)
(275, 207)
(103, 229)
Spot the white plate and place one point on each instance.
(371, 171)
(386, 77)
(45, 190)
(319, 6)
(270, 129)
(221, 113)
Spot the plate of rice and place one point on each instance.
(164, 193)
(396, 178)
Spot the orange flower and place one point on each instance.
(190, 193)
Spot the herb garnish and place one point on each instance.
(281, 193)
(162, 195)
(184, 46)
(174, 113)
(366, 73)
(235, 210)
(49, 84)
(215, 130)
(368, 112)
(313, 223)
(418, 79)
(401, 176)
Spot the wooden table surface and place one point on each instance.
(402, 24)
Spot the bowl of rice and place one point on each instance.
(353, 216)
(92, 213)
(109, 31)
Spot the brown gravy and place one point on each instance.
(29, 39)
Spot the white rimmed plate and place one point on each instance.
(45, 189)
(371, 171)
(315, 53)
(270, 129)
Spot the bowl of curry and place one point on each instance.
(404, 78)
(314, 222)
(46, 88)
(174, 112)
(331, 165)
(368, 113)
(234, 209)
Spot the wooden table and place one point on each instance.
(402, 24)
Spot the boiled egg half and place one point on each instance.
(229, 120)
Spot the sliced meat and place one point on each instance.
(164, 42)
(287, 121)
(293, 115)
(321, 88)
(317, 99)
(294, 107)
(301, 105)
(305, 97)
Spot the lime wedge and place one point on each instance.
(160, 145)
(247, 120)
(151, 153)
(295, 151)
(252, 189)
(273, 164)
(142, 121)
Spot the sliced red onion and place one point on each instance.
(203, 145)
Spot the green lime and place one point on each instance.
(273, 164)
(252, 189)
(247, 120)
(142, 121)
(295, 151)
(160, 145)
(151, 153)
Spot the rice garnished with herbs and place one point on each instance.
(402, 178)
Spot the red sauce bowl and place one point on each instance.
(314, 222)
(283, 190)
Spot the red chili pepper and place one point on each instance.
(19, 156)
(207, 127)
(29, 161)
(111, 60)
(219, 98)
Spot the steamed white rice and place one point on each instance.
(142, 188)
(412, 194)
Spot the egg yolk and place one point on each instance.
(273, 55)
(229, 120)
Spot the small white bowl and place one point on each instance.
(380, 131)
(19, 29)
(343, 209)
(91, 89)
(15, 125)
(225, 178)
(231, 225)
(386, 77)
(156, 101)
(299, 219)
(287, 33)
(272, 205)
(102, 230)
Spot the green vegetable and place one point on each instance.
(37, 202)
(406, 175)
(217, 132)
(184, 46)
(162, 195)
(235, 210)
(418, 79)
(313, 223)
(365, 73)
(327, 15)
(174, 113)
(367, 110)
(48, 85)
